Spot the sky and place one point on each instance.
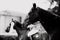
(22, 6)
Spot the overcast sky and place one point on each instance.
(22, 6)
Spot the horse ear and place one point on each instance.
(34, 5)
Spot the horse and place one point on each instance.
(49, 20)
(22, 32)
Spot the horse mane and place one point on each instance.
(17, 25)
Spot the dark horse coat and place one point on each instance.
(49, 20)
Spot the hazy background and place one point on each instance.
(23, 6)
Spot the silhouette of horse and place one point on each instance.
(22, 32)
(49, 20)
